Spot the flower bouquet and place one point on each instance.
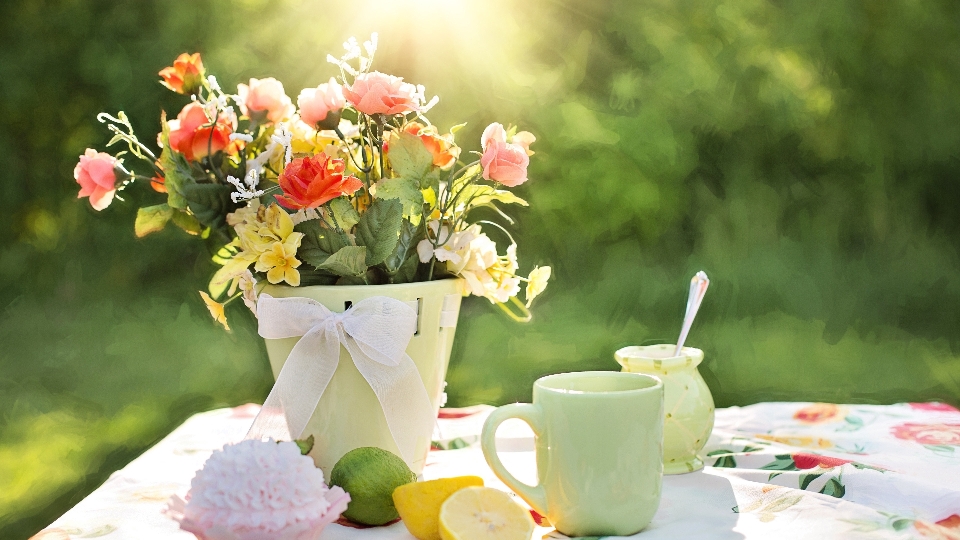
(346, 219)
(351, 186)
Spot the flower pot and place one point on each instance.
(687, 402)
(349, 415)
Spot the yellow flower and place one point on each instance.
(537, 282)
(280, 263)
(216, 310)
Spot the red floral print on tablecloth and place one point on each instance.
(945, 529)
(928, 434)
(809, 461)
(934, 406)
(819, 413)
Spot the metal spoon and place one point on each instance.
(698, 288)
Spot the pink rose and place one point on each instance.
(265, 98)
(318, 104)
(932, 434)
(97, 178)
(377, 93)
(502, 161)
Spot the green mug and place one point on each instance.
(599, 447)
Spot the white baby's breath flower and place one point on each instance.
(214, 84)
(242, 137)
(247, 189)
(284, 137)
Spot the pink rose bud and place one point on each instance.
(502, 161)
(320, 107)
(97, 178)
(377, 93)
(264, 100)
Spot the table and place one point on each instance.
(776, 470)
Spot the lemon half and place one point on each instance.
(482, 513)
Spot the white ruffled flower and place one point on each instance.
(258, 489)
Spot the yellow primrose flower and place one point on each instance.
(280, 263)
(537, 282)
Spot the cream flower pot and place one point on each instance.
(349, 415)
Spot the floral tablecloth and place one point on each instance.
(776, 470)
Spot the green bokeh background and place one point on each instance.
(806, 154)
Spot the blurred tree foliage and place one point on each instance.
(805, 154)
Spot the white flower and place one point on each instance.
(455, 247)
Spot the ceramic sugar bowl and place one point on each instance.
(688, 404)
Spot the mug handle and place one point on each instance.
(534, 495)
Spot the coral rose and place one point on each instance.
(97, 178)
(378, 93)
(441, 147)
(192, 134)
(320, 107)
(185, 75)
(502, 161)
(310, 181)
(819, 413)
(264, 100)
(931, 434)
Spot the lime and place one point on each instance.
(419, 503)
(370, 475)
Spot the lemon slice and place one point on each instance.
(419, 503)
(480, 513)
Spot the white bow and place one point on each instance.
(375, 332)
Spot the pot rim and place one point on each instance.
(658, 357)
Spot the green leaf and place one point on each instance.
(409, 158)
(410, 236)
(432, 180)
(806, 479)
(176, 170)
(151, 219)
(347, 261)
(784, 462)
(379, 229)
(187, 222)
(318, 243)
(834, 488)
(481, 195)
(406, 190)
(901, 524)
(407, 271)
(305, 445)
(209, 203)
(344, 212)
(725, 461)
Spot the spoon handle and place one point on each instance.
(698, 288)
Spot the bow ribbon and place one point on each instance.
(376, 332)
